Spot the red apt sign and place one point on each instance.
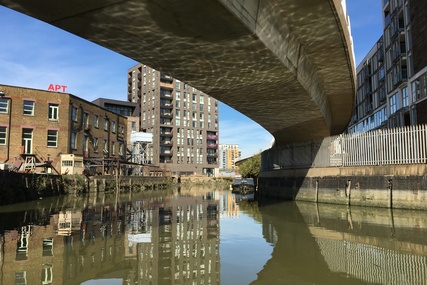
(56, 87)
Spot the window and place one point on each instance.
(47, 274)
(3, 135)
(21, 278)
(104, 148)
(105, 124)
(95, 144)
(27, 140)
(96, 121)
(393, 104)
(121, 147)
(29, 108)
(113, 126)
(405, 99)
(67, 163)
(113, 148)
(74, 114)
(52, 138)
(48, 246)
(53, 112)
(134, 126)
(86, 120)
(73, 143)
(4, 105)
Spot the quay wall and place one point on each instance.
(20, 187)
(392, 186)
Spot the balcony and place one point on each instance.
(166, 143)
(166, 85)
(399, 78)
(166, 105)
(165, 115)
(165, 95)
(165, 122)
(166, 134)
(212, 137)
(165, 77)
(166, 152)
(212, 145)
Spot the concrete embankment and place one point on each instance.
(397, 186)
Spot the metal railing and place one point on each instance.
(405, 145)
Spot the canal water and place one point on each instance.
(204, 236)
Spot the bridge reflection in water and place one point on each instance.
(175, 239)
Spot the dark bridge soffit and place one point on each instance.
(286, 64)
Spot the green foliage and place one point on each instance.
(251, 167)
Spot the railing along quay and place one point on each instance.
(405, 145)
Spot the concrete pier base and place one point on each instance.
(398, 186)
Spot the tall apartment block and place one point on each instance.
(228, 155)
(182, 119)
(392, 78)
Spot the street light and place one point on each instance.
(2, 94)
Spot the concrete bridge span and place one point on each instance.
(286, 64)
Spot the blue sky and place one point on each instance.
(34, 54)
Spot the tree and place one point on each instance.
(251, 167)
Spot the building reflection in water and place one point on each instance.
(175, 239)
(172, 240)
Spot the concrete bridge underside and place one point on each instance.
(286, 64)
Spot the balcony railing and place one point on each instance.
(166, 105)
(165, 95)
(212, 145)
(166, 134)
(166, 143)
(212, 137)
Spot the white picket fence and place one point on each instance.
(406, 145)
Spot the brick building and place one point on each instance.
(39, 127)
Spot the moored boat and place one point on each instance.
(243, 186)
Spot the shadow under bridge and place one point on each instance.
(286, 64)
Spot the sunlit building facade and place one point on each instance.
(392, 78)
(228, 155)
(182, 119)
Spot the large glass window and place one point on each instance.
(4, 105)
(393, 103)
(3, 135)
(52, 138)
(405, 98)
(29, 108)
(53, 112)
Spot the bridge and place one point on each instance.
(286, 64)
